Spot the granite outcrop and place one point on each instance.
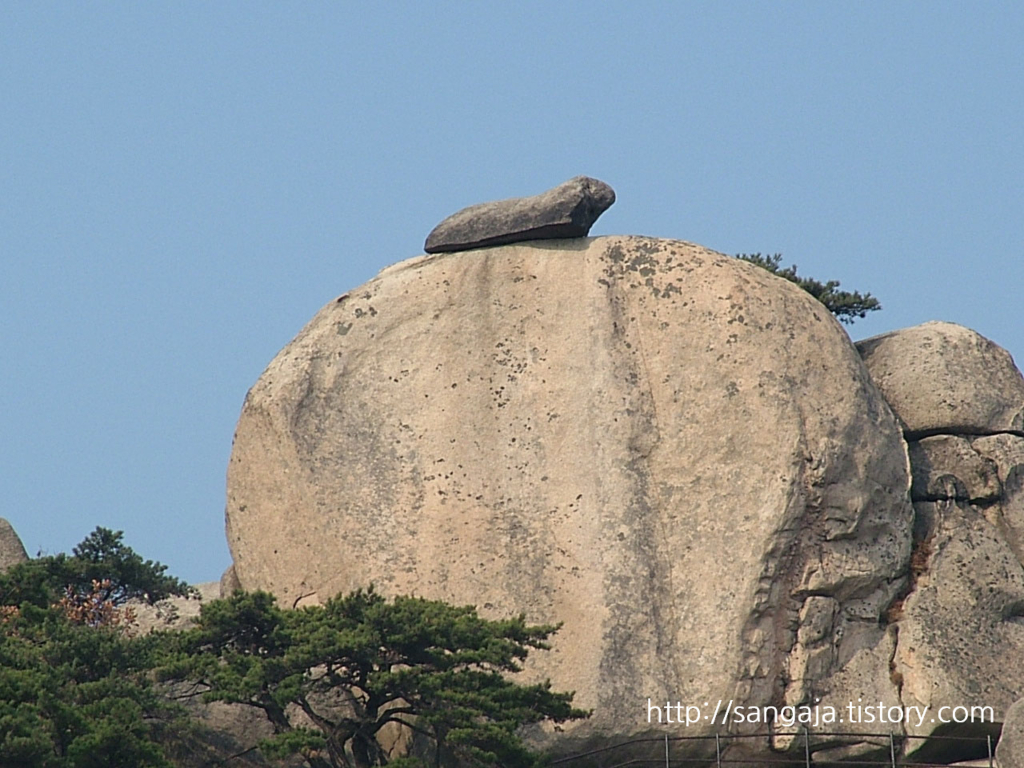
(12, 551)
(960, 399)
(678, 455)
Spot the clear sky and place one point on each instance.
(183, 185)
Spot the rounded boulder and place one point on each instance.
(676, 454)
(943, 378)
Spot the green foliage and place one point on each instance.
(74, 695)
(101, 558)
(75, 688)
(360, 662)
(845, 305)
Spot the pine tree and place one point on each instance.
(845, 305)
(330, 678)
(75, 689)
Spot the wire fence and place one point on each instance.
(715, 750)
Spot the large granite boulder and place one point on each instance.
(675, 453)
(944, 378)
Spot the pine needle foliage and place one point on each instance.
(101, 558)
(74, 695)
(329, 678)
(847, 306)
(75, 684)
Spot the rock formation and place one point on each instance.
(569, 210)
(678, 455)
(172, 613)
(229, 582)
(972, 386)
(961, 627)
(1010, 752)
(12, 551)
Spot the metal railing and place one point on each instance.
(982, 747)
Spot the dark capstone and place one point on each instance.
(568, 210)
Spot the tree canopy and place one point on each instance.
(101, 561)
(847, 306)
(73, 695)
(75, 688)
(330, 678)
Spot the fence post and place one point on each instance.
(718, 751)
(892, 749)
(666, 749)
(990, 763)
(807, 747)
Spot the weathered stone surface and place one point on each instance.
(864, 677)
(229, 582)
(1010, 750)
(569, 210)
(961, 635)
(12, 551)
(225, 734)
(174, 612)
(675, 453)
(942, 456)
(960, 631)
(944, 378)
(1007, 453)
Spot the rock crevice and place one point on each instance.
(960, 400)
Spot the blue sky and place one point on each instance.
(183, 185)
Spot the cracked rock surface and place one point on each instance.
(677, 454)
(960, 626)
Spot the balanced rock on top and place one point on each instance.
(568, 210)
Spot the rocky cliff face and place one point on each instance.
(960, 400)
